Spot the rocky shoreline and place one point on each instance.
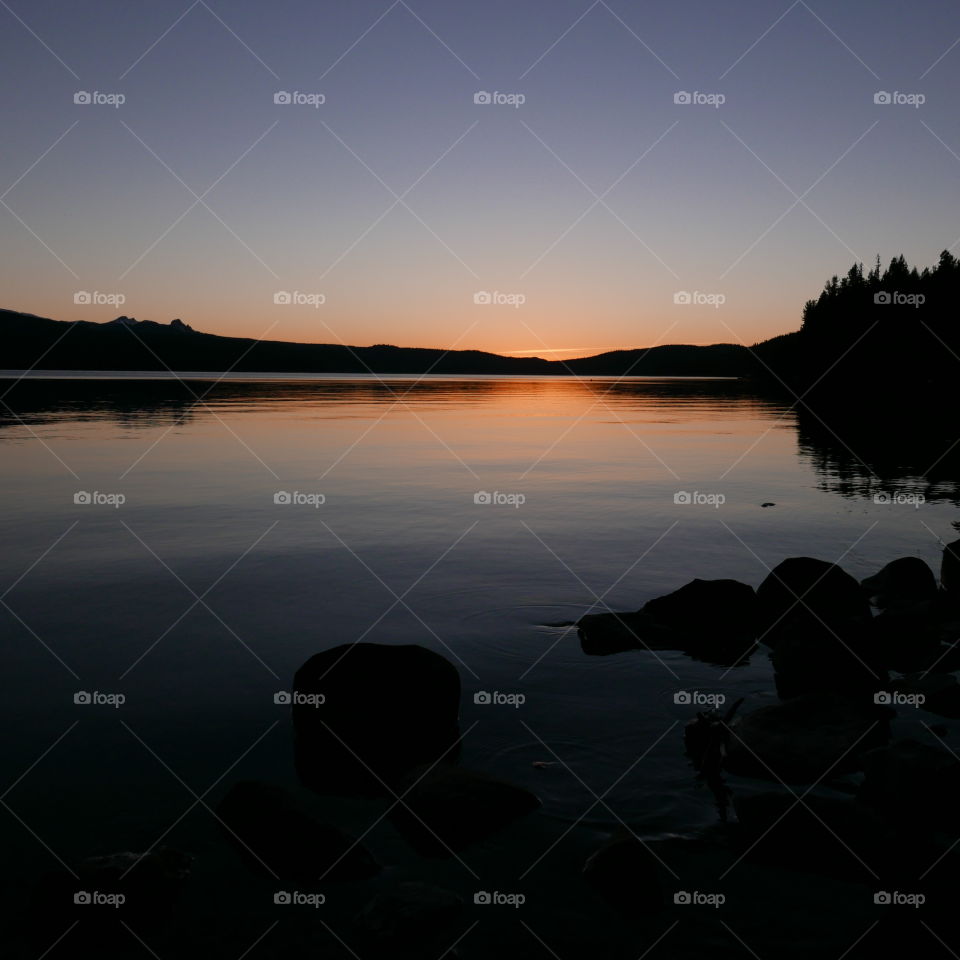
(377, 727)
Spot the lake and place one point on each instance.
(185, 546)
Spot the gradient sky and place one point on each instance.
(501, 198)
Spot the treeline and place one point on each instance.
(885, 332)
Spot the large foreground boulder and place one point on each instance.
(807, 592)
(805, 740)
(365, 714)
(446, 808)
(275, 836)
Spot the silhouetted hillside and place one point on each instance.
(30, 342)
(876, 337)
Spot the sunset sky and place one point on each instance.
(399, 201)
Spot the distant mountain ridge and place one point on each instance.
(31, 342)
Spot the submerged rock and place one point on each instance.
(804, 740)
(276, 837)
(450, 807)
(808, 592)
(365, 714)
(907, 582)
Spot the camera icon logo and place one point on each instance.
(481, 696)
(682, 697)
(682, 496)
(282, 497)
(482, 497)
(82, 897)
(882, 897)
(282, 897)
(882, 97)
(282, 697)
(882, 297)
(881, 497)
(482, 897)
(82, 497)
(82, 297)
(82, 697)
(883, 698)
(282, 298)
(282, 97)
(682, 897)
(82, 96)
(682, 298)
(682, 96)
(482, 297)
(482, 97)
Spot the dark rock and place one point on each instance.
(808, 592)
(626, 876)
(413, 911)
(386, 709)
(906, 639)
(450, 807)
(937, 693)
(915, 785)
(805, 740)
(907, 582)
(816, 658)
(823, 834)
(711, 620)
(276, 837)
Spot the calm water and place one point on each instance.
(199, 596)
